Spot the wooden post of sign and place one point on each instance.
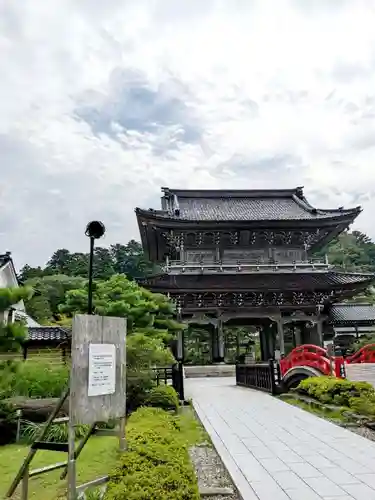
(97, 382)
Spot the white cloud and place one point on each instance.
(104, 102)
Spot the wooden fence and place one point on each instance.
(51, 356)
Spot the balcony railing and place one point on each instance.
(245, 266)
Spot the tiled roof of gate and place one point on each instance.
(242, 205)
(352, 313)
(245, 209)
(47, 334)
(262, 281)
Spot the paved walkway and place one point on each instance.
(275, 451)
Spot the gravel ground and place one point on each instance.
(211, 472)
(364, 432)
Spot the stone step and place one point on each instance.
(210, 371)
(215, 492)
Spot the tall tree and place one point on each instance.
(59, 261)
(129, 259)
(49, 293)
(28, 272)
(146, 312)
(103, 267)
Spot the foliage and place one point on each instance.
(57, 433)
(157, 463)
(144, 352)
(118, 296)
(7, 412)
(49, 293)
(11, 336)
(33, 380)
(117, 259)
(139, 383)
(8, 423)
(11, 296)
(358, 396)
(352, 250)
(198, 343)
(163, 396)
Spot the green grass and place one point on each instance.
(327, 413)
(97, 459)
(191, 429)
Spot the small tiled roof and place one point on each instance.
(47, 334)
(5, 258)
(355, 313)
(242, 205)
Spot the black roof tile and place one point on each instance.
(241, 205)
(352, 313)
(244, 209)
(258, 281)
(47, 334)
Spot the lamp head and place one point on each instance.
(95, 229)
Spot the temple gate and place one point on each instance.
(245, 257)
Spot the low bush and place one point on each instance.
(138, 386)
(358, 396)
(163, 396)
(33, 379)
(57, 433)
(157, 464)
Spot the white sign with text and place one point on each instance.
(102, 369)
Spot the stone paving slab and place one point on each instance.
(275, 451)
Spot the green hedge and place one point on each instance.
(156, 465)
(163, 396)
(358, 396)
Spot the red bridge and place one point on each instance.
(311, 361)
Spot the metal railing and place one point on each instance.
(173, 375)
(259, 376)
(246, 266)
(163, 375)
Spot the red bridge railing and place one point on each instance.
(307, 355)
(365, 355)
(313, 356)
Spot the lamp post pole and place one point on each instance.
(94, 230)
(91, 263)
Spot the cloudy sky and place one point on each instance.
(101, 103)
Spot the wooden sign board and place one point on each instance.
(97, 379)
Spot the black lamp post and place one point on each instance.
(94, 230)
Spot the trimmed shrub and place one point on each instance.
(358, 396)
(138, 386)
(157, 464)
(163, 396)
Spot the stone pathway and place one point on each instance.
(275, 451)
